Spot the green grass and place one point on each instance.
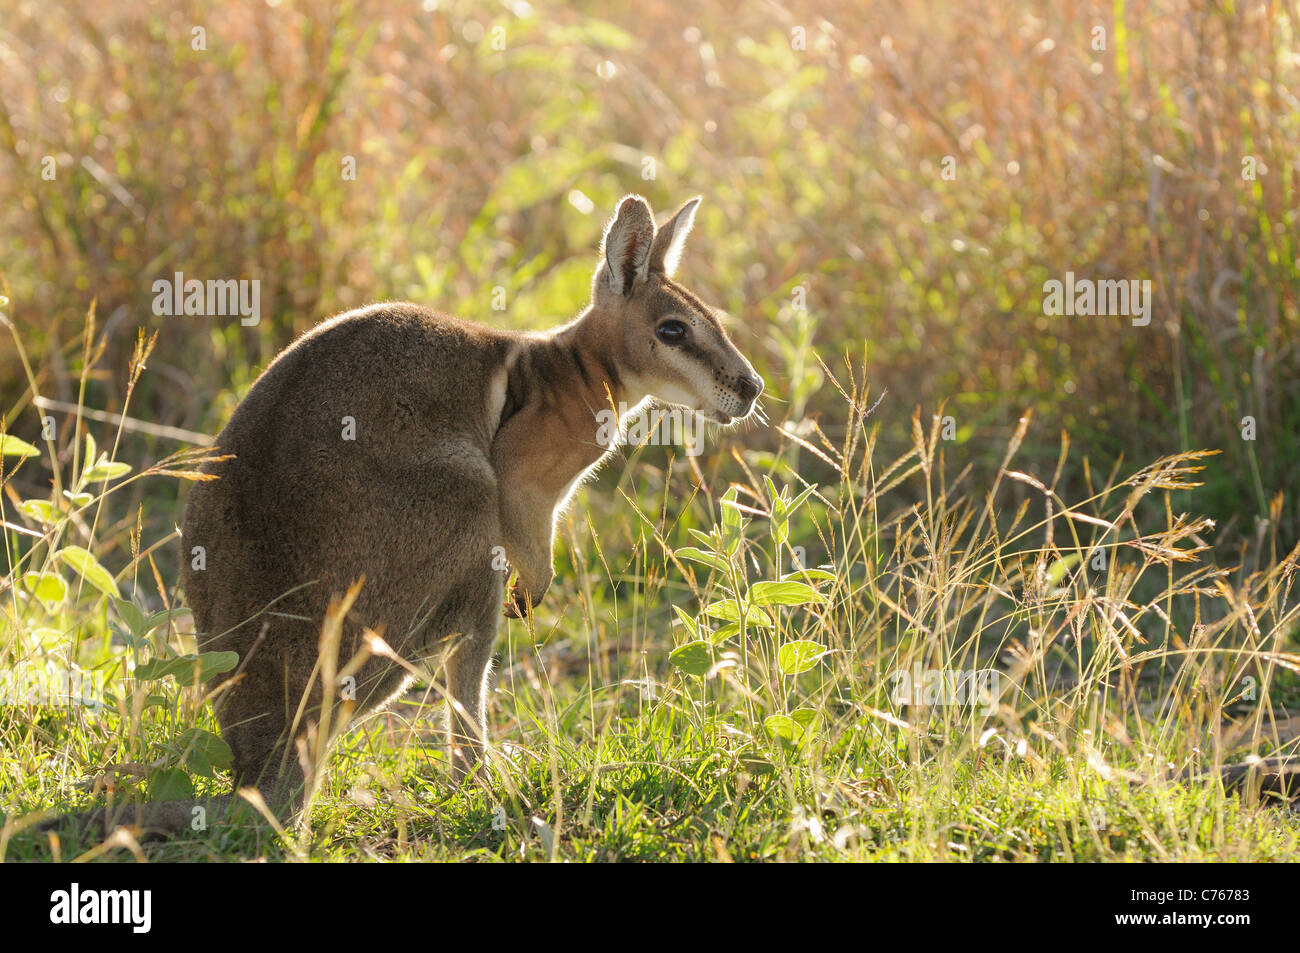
(689, 692)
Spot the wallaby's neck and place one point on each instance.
(566, 393)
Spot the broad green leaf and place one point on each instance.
(159, 618)
(170, 784)
(693, 658)
(11, 446)
(799, 656)
(724, 632)
(130, 614)
(795, 729)
(783, 729)
(729, 611)
(809, 719)
(40, 510)
(106, 470)
(90, 570)
(184, 666)
(700, 556)
(79, 499)
(214, 663)
(786, 593)
(205, 753)
(49, 587)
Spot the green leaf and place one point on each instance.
(700, 556)
(783, 729)
(693, 658)
(214, 663)
(799, 656)
(88, 569)
(755, 764)
(780, 521)
(780, 528)
(733, 523)
(184, 666)
(724, 632)
(685, 619)
(729, 611)
(106, 470)
(49, 587)
(798, 501)
(79, 499)
(772, 493)
(809, 719)
(39, 510)
(137, 623)
(784, 594)
(795, 729)
(170, 784)
(159, 618)
(810, 575)
(11, 446)
(1056, 572)
(205, 753)
(131, 615)
(704, 539)
(46, 637)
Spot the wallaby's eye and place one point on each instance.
(671, 332)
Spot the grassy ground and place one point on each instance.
(729, 686)
(889, 182)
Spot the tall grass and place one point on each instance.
(717, 674)
(818, 133)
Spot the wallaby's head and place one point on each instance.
(666, 342)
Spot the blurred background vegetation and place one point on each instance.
(492, 140)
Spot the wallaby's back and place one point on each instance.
(363, 449)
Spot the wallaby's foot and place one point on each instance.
(147, 821)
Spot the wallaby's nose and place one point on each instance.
(749, 387)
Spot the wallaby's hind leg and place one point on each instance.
(254, 723)
(467, 666)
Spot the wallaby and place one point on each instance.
(410, 449)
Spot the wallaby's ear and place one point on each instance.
(627, 243)
(671, 238)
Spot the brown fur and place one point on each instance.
(466, 438)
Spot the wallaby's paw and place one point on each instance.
(517, 604)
